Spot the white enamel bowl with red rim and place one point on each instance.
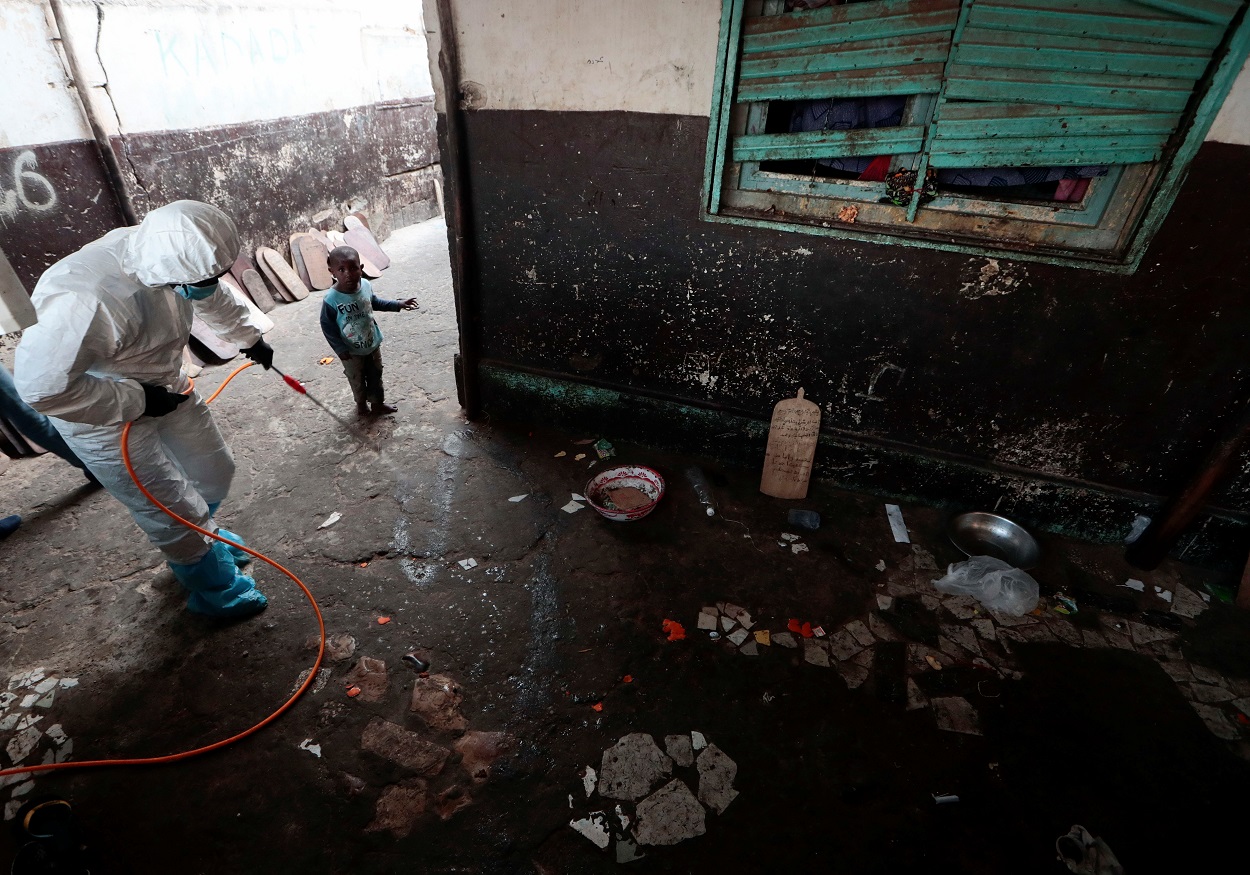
(642, 478)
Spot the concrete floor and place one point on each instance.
(1122, 717)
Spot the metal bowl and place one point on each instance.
(987, 534)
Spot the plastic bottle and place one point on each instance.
(1140, 523)
(702, 489)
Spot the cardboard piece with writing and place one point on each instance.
(791, 448)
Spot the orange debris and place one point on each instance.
(676, 632)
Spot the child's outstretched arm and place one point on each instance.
(386, 306)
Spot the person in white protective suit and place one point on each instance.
(107, 349)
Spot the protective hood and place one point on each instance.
(182, 242)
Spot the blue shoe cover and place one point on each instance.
(216, 586)
(241, 557)
(9, 525)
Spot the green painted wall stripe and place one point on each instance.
(895, 470)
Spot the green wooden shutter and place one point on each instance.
(869, 49)
(1072, 82)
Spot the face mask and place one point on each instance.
(196, 293)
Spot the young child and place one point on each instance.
(350, 329)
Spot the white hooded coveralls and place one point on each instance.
(109, 321)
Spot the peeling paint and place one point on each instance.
(882, 370)
(994, 279)
(51, 204)
(270, 176)
(1053, 448)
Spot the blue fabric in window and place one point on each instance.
(994, 177)
(847, 114)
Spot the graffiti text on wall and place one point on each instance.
(31, 189)
(200, 54)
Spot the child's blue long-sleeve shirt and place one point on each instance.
(347, 319)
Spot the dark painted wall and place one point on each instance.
(593, 263)
(270, 176)
(53, 199)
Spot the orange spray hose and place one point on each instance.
(312, 675)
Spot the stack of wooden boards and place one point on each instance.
(290, 281)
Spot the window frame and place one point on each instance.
(1108, 230)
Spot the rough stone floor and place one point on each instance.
(550, 656)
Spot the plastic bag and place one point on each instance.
(996, 584)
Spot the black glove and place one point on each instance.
(158, 401)
(261, 353)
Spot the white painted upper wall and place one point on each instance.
(1232, 125)
(39, 105)
(176, 66)
(636, 56)
(639, 56)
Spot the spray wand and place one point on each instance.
(303, 390)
